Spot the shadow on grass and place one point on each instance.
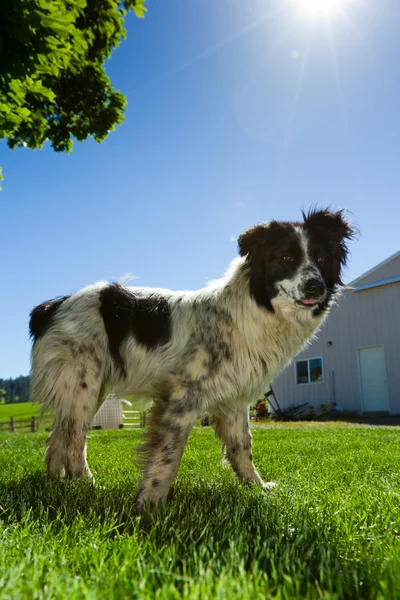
(63, 501)
(215, 518)
(196, 507)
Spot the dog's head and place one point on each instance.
(298, 262)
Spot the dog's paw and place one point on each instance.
(56, 472)
(147, 508)
(268, 486)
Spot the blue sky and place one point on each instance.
(238, 112)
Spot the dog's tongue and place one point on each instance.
(310, 301)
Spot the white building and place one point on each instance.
(110, 414)
(355, 360)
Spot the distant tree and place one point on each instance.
(3, 394)
(14, 390)
(52, 80)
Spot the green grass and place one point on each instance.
(330, 530)
(24, 410)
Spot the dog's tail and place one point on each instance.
(42, 316)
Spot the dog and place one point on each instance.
(213, 350)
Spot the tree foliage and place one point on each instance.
(52, 80)
(14, 390)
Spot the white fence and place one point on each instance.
(133, 419)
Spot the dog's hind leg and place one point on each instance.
(69, 380)
(66, 446)
(234, 430)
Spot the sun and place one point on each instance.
(320, 9)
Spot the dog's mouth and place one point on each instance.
(307, 302)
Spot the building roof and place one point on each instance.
(375, 268)
(378, 283)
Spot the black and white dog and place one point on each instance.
(216, 349)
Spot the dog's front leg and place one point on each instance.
(234, 430)
(170, 424)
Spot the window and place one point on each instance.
(309, 371)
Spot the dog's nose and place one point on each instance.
(314, 288)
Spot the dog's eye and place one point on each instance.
(321, 259)
(288, 258)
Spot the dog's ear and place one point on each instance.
(252, 238)
(260, 235)
(334, 223)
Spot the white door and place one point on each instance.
(373, 382)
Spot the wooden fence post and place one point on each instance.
(33, 424)
(12, 425)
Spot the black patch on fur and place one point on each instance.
(69, 429)
(148, 318)
(155, 483)
(42, 316)
(168, 452)
(328, 233)
(179, 409)
(266, 245)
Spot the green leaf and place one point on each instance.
(139, 9)
(52, 80)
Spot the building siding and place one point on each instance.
(362, 318)
(390, 269)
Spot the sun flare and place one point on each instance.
(320, 9)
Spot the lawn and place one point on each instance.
(330, 530)
(24, 410)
